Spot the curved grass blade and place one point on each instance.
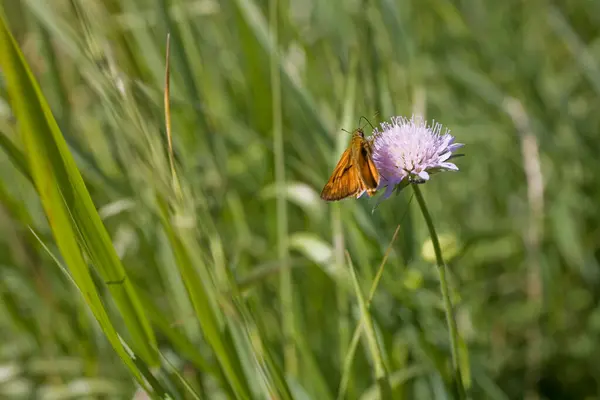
(204, 302)
(347, 371)
(16, 155)
(381, 374)
(200, 296)
(179, 341)
(75, 223)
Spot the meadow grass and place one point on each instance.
(216, 271)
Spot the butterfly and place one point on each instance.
(354, 173)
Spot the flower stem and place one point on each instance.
(441, 267)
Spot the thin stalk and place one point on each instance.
(441, 267)
(381, 373)
(285, 284)
(342, 295)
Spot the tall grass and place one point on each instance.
(233, 280)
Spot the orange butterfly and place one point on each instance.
(355, 173)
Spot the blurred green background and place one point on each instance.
(230, 280)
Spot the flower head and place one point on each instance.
(409, 150)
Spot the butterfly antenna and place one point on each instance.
(365, 118)
(346, 131)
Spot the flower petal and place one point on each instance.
(455, 146)
(447, 141)
(445, 156)
(449, 165)
(423, 175)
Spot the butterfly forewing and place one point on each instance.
(344, 180)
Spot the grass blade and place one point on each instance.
(76, 225)
(286, 290)
(347, 371)
(381, 374)
(206, 310)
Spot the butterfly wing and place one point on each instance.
(344, 181)
(368, 171)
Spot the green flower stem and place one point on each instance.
(441, 267)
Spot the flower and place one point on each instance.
(409, 150)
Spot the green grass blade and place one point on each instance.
(260, 28)
(205, 307)
(74, 221)
(179, 341)
(381, 374)
(16, 155)
(286, 288)
(347, 366)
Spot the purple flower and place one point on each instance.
(408, 150)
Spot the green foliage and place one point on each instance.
(233, 281)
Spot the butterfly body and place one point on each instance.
(355, 172)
